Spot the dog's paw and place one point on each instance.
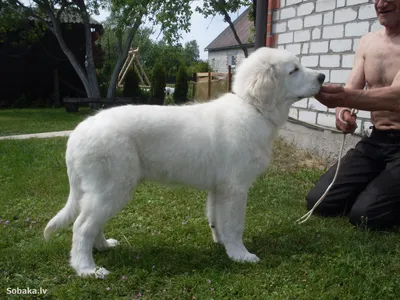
(101, 273)
(106, 244)
(251, 258)
(244, 257)
(112, 243)
(96, 272)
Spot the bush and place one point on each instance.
(181, 86)
(158, 83)
(197, 67)
(169, 100)
(131, 86)
(119, 92)
(103, 78)
(190, 95)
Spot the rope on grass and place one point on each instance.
(127, 241)
(309, 213)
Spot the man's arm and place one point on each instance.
(385, 98)
(355, 81)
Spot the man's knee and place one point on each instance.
(365, 217)
(333, 205)
(358, 216)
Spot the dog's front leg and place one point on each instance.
(230, 212)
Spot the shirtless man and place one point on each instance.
(367, 187)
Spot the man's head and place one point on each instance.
(388, 12)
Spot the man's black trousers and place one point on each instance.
(367, 187)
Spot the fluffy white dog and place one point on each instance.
(220, 146)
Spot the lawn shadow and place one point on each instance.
(168, 260)
(273, 247)
(293, 242)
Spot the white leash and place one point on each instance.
(308, 214)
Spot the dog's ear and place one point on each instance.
(264, 87)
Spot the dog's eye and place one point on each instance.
(294, 70)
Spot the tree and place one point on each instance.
(171, 56)
(109, 42)
(131, 86)
(197, 67)
(158, 83)
(9, 20)
(181, 86)
(172, 15)
(223, 7)
(191, 52)
(127, 16)
(252, 17)
(48, 13)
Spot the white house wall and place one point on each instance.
(324, 34)
(218, 60)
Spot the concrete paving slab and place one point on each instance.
(37, 135)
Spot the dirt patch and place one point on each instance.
(287, 157)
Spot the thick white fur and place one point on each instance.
(220, 146)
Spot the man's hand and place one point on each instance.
(335, 96)
(351, 125)
(332, 95)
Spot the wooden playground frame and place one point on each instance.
(133, 59)
(71, 104)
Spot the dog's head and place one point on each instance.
(271, 77)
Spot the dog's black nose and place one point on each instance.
(321, 78)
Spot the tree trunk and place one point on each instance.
(68, 53)
(89, 59)
(122, 57)
(254, 12)
(220, 6)
(88, 76)
(227, 18)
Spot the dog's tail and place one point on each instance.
(64, 217)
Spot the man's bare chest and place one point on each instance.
(381, 65)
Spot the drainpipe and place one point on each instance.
(261, 23)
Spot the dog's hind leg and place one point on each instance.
(231, 212)
(212, 217)
(96, 210)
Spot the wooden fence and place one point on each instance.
(210, 85)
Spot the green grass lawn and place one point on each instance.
(166, 249)
(22, 121)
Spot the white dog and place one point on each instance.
(221, 146)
